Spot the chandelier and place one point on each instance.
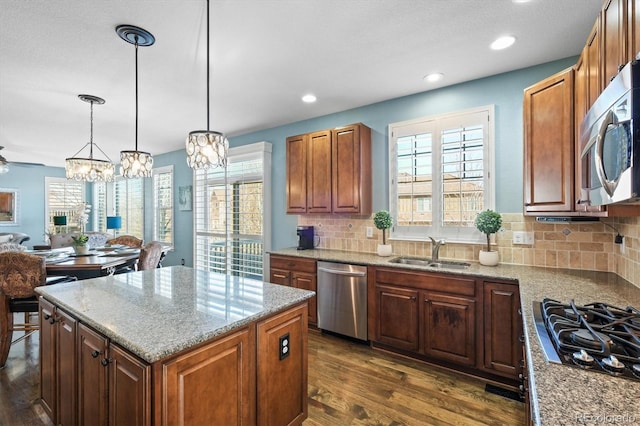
(90, 169)
(206, 148)
(135, 163)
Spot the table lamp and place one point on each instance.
(114, 222)
(59, 221)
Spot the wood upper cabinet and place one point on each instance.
(502, 329)
(319, 172)
(613, 25)
(299, 273)
(549, 145)
(633, 29)
(352, 169)
(329, 171)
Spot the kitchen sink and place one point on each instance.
(420, 261)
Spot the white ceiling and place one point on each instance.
(265, 55)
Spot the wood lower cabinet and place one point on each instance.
(502, 328)
(299, 273)
(226, 368)
(282, 368)
(449, 328)
(457, 321)
(92, 377)
(329, 171)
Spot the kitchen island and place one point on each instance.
(559, 394)
(173, 346)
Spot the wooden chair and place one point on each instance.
(126, 240)
(150, 256)
(20, 273)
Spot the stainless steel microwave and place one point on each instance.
(610, 142)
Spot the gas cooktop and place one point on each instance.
(597, 336)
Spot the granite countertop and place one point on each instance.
(157, 313)
(560, 394)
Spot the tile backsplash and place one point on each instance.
(588, 246)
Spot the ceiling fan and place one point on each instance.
(4, 164)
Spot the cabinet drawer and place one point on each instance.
(444, 283)
(293, 263)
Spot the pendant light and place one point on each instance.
(135, 164)
(90, 169)
(206, 148)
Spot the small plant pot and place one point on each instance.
(489, 258)
(81, 249)
(384, 250)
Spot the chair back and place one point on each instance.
(149, 256)
(20, 273)
(126, 240)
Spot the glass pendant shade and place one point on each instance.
(206, 149)
(90, 169)
(135, 164)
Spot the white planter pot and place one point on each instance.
(81, 249)
(488, 258)
(384, 250)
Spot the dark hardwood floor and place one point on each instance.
(349, 384)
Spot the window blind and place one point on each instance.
(129, 204)
(163, 204)
(63, 197)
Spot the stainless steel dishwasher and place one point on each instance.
(342, 299)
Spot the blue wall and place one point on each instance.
(503, 90)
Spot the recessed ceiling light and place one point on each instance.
(503, 42)
(309, 98)
(433, 77)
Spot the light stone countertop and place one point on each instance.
(560, 394)
(157, 313)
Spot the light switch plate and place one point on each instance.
(369, 232)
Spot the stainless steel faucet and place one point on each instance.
(435, 249)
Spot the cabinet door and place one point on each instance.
(592, 62)
(66, 368)
(129, 389)
(92, 377)
(448, 326)
(319, 172)
(212, 385)
(307, 281)
(633, 29)
(297, 174)
(351, 162)
(48, 359)
(397, 317)
(613, 38)
(502, 329)
(548, 145)
(280, 276)
(282, 374)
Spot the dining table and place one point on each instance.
(96, 263)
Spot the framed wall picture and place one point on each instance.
(8, 206)
(185, 197)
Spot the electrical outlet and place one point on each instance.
(521, 237)
(369, 232)
(528, 238)
(285, 347)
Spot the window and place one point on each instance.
(63, 197)
(163, 204)
(129, 204)
(440, 174)
(232, 221)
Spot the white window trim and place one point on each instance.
(452, 234)
(155, 172)
(240, 153)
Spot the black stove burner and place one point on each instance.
(597, 336)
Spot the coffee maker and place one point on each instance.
(305, 237)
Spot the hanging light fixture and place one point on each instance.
(90, 169)
(206, 148)
(136, 163)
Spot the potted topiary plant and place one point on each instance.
(383, 221)
(488, 222)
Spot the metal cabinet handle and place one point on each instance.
(346, 273)
(95, 354)
(521, 339)
(52, 320)
(105, 362)
(413, 298)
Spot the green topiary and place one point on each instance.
(488, 222)
(383, 221)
